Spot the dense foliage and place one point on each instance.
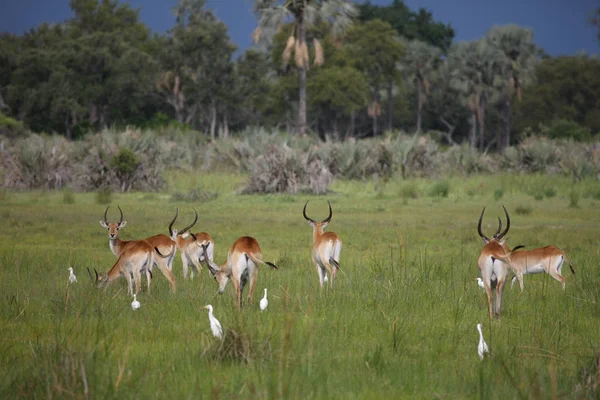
(354, 70)
(273, 162)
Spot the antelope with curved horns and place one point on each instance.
(326, 247)
(241, 266)
(191, 248)
(493, 271)
(161, 241)
(134, 259)
(549, 259)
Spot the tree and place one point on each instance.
(419, 63)
(516, 67)
(303, 13)
(336, 92)
(566, 88)
(476, 77)
(375, 50)
(197, 67)
(410, 25)
(253, 85)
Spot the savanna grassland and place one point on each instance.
(400, 321)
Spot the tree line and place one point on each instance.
(331, 67)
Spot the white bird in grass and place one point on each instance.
(72, 277)
(264, 302)
(480, 283)
(215, 325)
(135, 304)
(483, 347)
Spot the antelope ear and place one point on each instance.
(103, 224)
(122, 224)
(324, 224)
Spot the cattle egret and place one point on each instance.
(72, 277)
(482, 348)
(480, 283)
(135, 304)
(215, 325)
(264, 302)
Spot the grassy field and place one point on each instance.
(400, 321)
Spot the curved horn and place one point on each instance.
(304, 213)
(499, 228)
(330, 214)
(96, 273)
(507, 224)
(193, 223)
(479, 227)
(105, 212)
(121, 211)
(172, 222)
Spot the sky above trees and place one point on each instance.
(560, 27)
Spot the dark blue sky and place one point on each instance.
(559, 26)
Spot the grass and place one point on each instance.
(400, 321)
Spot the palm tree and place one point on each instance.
(476, 77)
(302, 13)
(419, 62)
(516, 46)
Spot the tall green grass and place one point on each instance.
(399, 322)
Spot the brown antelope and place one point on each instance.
(191, 248)
(242, 266)
(493, 271)
(165, 243)
(326, 247)
(133, 260)
(549, 259)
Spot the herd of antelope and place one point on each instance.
(136, 257)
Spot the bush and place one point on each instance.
(498, 193)
(10, 127)
(194, 196)
(440, 189)
(523, 210)
(565, 129)
(68, 196)
(574, 198)
(104, 196)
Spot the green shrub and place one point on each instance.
(498, 193)
(523, 210)
(550, 192)
(564, 129)
(194, 196)
(10, 127)
(68, 196)
(440, 189)
(104, 196)
(409, 191)
(573, 198)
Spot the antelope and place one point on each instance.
(161, 241)
(190, 247)
(134, 258)
(493, 271)
(326, 247)
(549, 259)
(243, 259)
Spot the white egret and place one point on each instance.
(483, 347)
(135, 304)
(215, 325)
(480, 283)
(264, 302)
(72, 277)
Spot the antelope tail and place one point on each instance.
(334, 263)
(164, 256)
(257, 261)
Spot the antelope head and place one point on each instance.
(317, 226)
(113, 227)
(498, 236)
